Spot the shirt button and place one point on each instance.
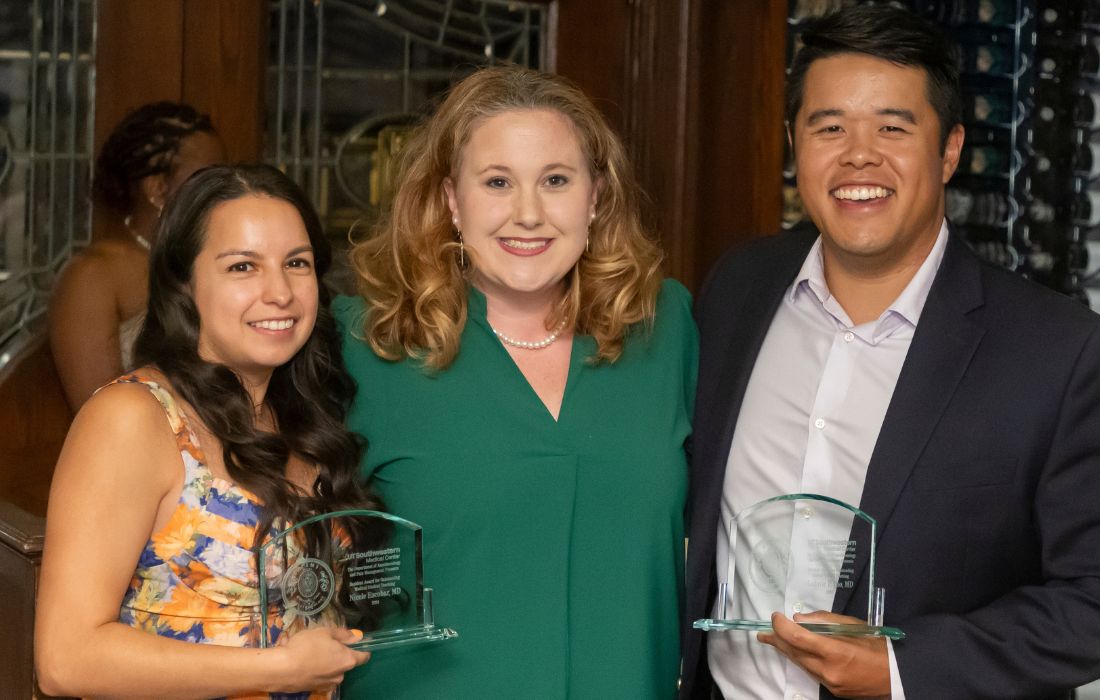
(796, 696)
(819, 423)
(849, 336)
(807, 513)
(797, 607)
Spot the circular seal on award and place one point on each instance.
(308, 586)
(769, 566)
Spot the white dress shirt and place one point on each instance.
(811, 415)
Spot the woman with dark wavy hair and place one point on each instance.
(153, 528)
(528, 379)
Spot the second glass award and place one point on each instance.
(365, 571)
(791, 554)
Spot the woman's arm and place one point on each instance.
(118, 478)
(84, 320)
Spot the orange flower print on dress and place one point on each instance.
(196, 578)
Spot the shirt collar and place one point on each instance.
(908, 306)
(910, 303)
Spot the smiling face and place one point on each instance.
(254, 286)
(523, 197)
(870, 171)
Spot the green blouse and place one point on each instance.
(555, 549)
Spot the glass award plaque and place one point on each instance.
(367, 575)
(791, 554)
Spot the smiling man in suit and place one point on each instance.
(878, 361)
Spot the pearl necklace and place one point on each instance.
(529, 344)
(140, 239)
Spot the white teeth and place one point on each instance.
(273, 325)
(522, 244)
(861, 193)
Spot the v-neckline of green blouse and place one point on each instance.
(581, 348)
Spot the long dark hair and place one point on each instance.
(143, 144)
(309, 395)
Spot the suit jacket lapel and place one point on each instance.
(943, 344)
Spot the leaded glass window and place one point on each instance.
(347, 77)
(47, 79)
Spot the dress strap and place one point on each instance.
(166, 400)
(198, 477)
(185, 436)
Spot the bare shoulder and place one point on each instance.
(123, 419)
(125, 395)
(103, 259)
(120, 457)
(90, 274)
(101, 285)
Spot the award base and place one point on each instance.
(398, 638)
(417, 634)
(827, 628)
(804, 547)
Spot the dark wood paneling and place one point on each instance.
(226, 41)
(138, 58)
(35, 417)
(696, 88)
(139, 54)
(741, 57)
(590, 45)
(660, 122)
(208, 53)
(633, 60)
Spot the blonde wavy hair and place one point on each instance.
(409, 270)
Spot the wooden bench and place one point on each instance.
(34, 418)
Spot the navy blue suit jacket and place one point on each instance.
(985, 479)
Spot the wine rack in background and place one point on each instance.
(1026, 195)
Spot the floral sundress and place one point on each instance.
(196, 577)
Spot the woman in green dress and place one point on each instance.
(526, 380)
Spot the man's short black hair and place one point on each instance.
(889, 33)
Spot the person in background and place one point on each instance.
(174, 475)
(875, 359)
(525, 385)
(99, 301)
